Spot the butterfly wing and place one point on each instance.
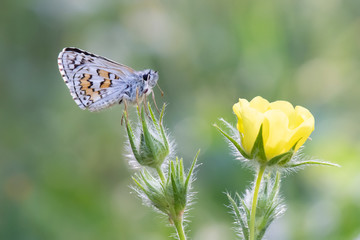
(90, 78)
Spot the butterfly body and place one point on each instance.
(96, 83)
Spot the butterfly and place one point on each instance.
(96, 83)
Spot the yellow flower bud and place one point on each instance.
(283, 126)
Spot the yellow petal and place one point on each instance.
(237, 108)
(284, 106)
(251, 120)
(301, 115)
(300, 135)
(260, 104)
(243, 103)
(305, 126)
(301, 125)
(275, 133)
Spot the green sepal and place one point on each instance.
(240, 216)
(311, 162)
(281, 158)
(148, 157)
(148, 138)
(166, 143)
(131, 137)
(176, 185)
(233, 141)
(158, 125)
(243, 204)
(258, 151)
(187, 181)
(155, 122)
(139, 184)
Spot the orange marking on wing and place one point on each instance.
(86, 86)
(106, 83)
(84, 82)
(106, 75)
(103, 73)
(95, 96)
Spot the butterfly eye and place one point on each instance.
(146, 77)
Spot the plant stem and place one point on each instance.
(254, 202)
(180, 229)
(161, 174)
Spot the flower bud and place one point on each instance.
(173, 194)
(151, 147)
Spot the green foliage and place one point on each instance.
(269, 207)
(170, 196)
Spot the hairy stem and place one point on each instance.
(254, 202)
(180, 229)
(161, 174)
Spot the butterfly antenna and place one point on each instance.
(162, 93)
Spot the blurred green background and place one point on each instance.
(63, 174)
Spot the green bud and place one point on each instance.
(269, 207)
(171, 195)
(151, 147)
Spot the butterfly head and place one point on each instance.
(150, 76)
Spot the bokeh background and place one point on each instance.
(62, 170)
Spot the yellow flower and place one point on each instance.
(283, 126)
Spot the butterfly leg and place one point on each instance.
(137, 97)
(144, 102)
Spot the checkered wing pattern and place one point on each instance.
(94, 82)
